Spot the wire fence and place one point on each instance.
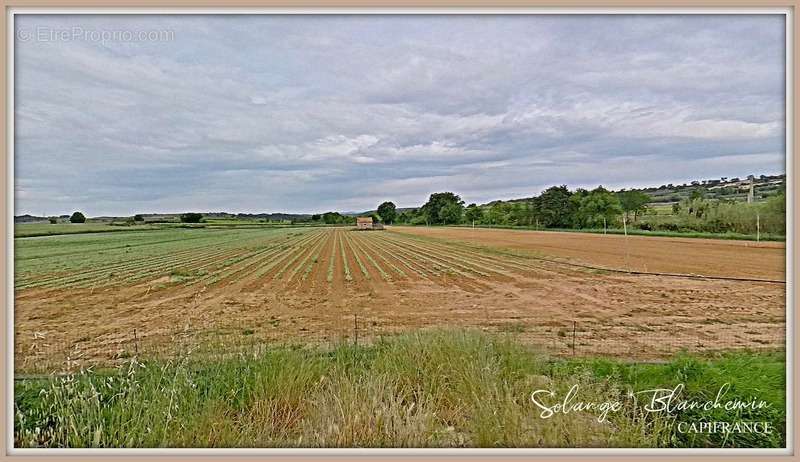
(48, 353)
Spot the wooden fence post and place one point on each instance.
(574, 328)
(355, 328)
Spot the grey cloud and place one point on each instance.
(297, 113)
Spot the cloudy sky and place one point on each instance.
(317, 113)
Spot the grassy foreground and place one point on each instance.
(428, 389)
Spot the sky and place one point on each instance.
(120, 114)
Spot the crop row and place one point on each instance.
(501, 263)
(206, 253)
(394, 256)
(256, 263)
(257, 257)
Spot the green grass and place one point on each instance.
(438, 388)
(98, 259)
(26, 230)
(47, 229)
(660, 209)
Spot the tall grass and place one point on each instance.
(427, 389)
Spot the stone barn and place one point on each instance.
(364, 222)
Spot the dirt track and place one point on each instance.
(708, 257)
(311, 287)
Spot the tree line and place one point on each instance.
(559, 207)
(556, 207)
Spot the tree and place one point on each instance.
(77, 217)
(598, 208)
(527, 213)
(138, 217)
(53, 220)
(316, 217)
(330, 218)
(497, 213)
(634, 202)
(451, 213)
(695, 205)
(576, 219)
(555, 209)
(520, 213)
(335, 218)
(418, 219)
(437, 201)
(697, 193)
(191, 217)
(388, 212)
(407, 216)
(474, 214)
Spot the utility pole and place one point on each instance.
(625, 230)
(758, 227)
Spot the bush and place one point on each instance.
(77, 217)
(53, 220)
(700, 215)
(138, 217)
(191, 217)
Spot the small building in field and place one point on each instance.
(364, 222)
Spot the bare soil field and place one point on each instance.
(118, 296)
(708, 257)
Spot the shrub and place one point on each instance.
(191, 217)
(77, 217)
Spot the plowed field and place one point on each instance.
(110, 295)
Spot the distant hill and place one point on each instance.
(274, 216)
(722, 188)
(175, 217)
(370, 212)
(29, 219)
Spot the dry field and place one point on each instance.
(708, 257)
(108, 296)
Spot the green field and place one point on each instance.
(96, 260)
(47, 229)
(660, 209)
(428, 389)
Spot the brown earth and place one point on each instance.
(333, 285)
(709, 257)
